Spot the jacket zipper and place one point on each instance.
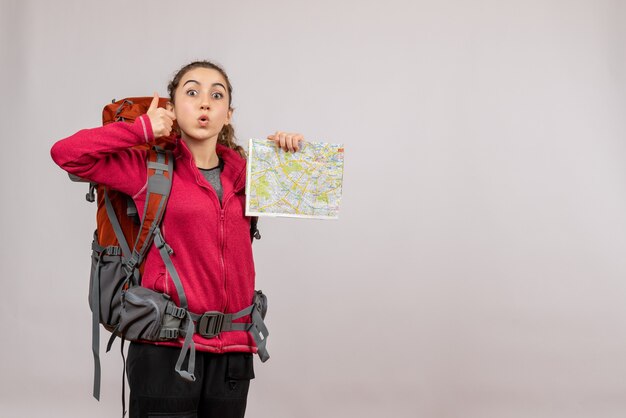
(222, 243)
(222, 239)
(223, 264)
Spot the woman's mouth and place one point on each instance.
(203, 120)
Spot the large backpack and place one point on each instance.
(120, 243)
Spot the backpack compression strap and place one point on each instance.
(115, 223)
(188, 345)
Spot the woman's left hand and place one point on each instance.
(287, 141)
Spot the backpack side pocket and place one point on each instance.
(106, 283)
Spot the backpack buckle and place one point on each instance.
(168, 333)
(210, 324)
(91, 197)
(113, 250)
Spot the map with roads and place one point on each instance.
(305, 184)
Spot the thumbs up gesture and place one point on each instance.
(161, 119)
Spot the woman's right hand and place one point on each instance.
(161, 119)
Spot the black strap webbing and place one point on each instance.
(95, 330)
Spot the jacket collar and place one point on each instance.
(233, 174)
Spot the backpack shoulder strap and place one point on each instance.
(160, 170)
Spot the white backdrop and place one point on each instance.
(477, 269)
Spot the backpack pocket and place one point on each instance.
(149, 315)
(106, 283)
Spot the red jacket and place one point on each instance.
(211, 242)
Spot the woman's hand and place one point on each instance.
(161, 119)
(287, 141)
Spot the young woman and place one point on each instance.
(204, 224)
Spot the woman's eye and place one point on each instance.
(217, 95)
(191, 92)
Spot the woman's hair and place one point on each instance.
(227, 134)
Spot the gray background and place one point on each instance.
(477, 268)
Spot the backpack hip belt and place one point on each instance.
(147, 315)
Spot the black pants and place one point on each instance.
(156, 390)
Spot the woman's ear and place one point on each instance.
(169, 106)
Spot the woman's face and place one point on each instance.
(201, 104)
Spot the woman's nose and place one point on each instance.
(204, 103)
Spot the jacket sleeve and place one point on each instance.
(104, 155)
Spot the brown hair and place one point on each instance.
(227, 134)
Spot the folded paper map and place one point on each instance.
(305, 184)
